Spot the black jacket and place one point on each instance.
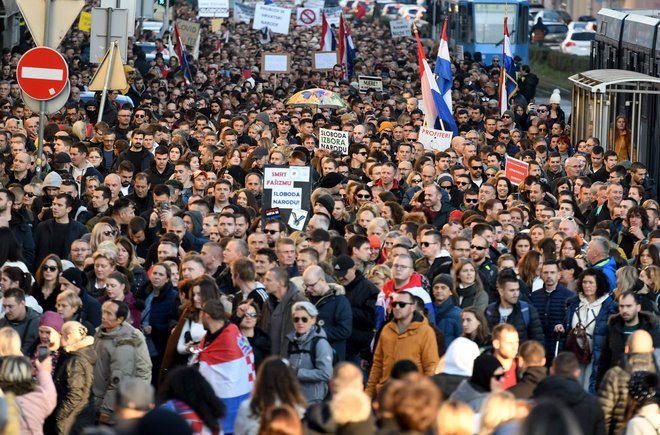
(615, 340)
(22, 230)
(531, 377)
(584, 406)
(27, 329)
(551, 308)
(361, 294)
(530, 331)
(156, 177)
(43, 238)
(336, 319)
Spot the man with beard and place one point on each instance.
(136, 154)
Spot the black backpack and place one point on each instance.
(293, 348)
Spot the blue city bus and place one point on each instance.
(477, 26)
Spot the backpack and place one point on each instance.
(294, 349)
(577, 340)
(524, 309)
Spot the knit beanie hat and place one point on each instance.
(460, 356)
(444, 278)
(328, 202)
(555, 98)
(484, 367)
(53, 179)
(52, 320)
(643, 386)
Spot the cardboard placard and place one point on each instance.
(85, 22)
(308, 17)
(324, 60)
(188, 31)
(276, 19)
(287, 194)
(515, 170)
(368, 82)
(276, 62)
(400, 28)
(213, 8)
(333, 140)
(435, 139)
(216, 23)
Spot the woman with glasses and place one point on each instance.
(102, 232)
(570, 247)
(415, 184)
(47, 286)
(487, 377)
(592, 307)
(468, 285)
(246, 318)
(309, 352)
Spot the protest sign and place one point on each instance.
(85, 22)
(188, 30)
(515, 170)
(367, 82)
(275, 62)
(332, 16)
(276, 19)
(319, 4)
(288, 190)
(400, 28)
(333, 140)
(435, 139)
(308, 17)
(243, 13)
(213, 8)
(324, 60)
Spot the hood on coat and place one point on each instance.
(85, 349)
(197, 219)
(460, 356)
(565, 389)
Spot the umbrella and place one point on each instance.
(316, 97)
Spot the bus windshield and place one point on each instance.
(489, 22)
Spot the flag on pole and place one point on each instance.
(508, 82)
(431, 96)
(181, 54)
(346, 49)
(443, 76)
(328, 41)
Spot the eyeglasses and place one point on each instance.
(361, 196)
(427, 244)
(50, 268)
(300, 319)
(140, 116)
(401, 304)
(506, 116)
(478, 248)
(462, 183)
(400, 266)
(416, 180)
(471, 200)
(251, 315)
(271, 232)
(542, 110)
(308, 286)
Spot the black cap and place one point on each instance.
(62, 158)
(320, 235)
(342, 265)
(331, 180)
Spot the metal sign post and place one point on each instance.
(42, 105)
(108, 74)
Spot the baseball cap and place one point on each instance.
(342, 265)
(198, 172)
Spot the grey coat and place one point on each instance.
(468, 394)
(313, 378)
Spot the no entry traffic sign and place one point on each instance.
(42, 73)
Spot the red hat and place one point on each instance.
(374, 241)
(456, 215)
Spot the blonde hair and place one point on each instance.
(653, 272)
(455, 418)
(71, 297)
(97, 233)
(381, 272)
(498, 408)
(626, 278)
(10, 342)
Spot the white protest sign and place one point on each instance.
(315, 4)
(400, 28)
(435, 139)
(332, 15)
(308, 17)
(333, 140)
(367, 82)
(287, 198)
(275, 62)
(188, 30)
(213, 8)
(297, 219)
(324, 60)
(243, 13)
(276, 19)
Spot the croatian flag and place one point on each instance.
(346, 49)
(431, 95)
(227, 364)
(181, 54)
(328, 41)
(445, 81)
(508, 82)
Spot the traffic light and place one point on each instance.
(162, 2)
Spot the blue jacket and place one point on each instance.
(336, 319)
(551, 308)
(609, 267)
(608, 308)
(448, 319)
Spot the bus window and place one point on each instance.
(465, 34)
(489, 19)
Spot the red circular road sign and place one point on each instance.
(42, 73)
(307, 16)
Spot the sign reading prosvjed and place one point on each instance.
(516, 170)
(435, 139)
(333, 140)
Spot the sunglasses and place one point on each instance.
(30, 194)
(446, 187)
(542, 110)
(271, 232)
(363, 153)
(478, 248)
(50, 268)
(401, 304)
(251, 315)
(471, 201)
(427, 244)
(416, 180)
(300, 319)
(108, 233)
(477, 168)
(462, 183)
(506, 116)
(363, 196)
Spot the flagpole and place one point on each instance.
(108, 74)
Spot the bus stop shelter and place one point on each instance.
(599, 96)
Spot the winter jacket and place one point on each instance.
(471, 297)
(158, 315)
(551, 308)
(448, 319)
(609, 267)
(22, 231)
(569, 392)
(471, 395)
(129, 299)
(91, 308)
(43, 238)
(417, 344)
(27, 329)
(277, 319)
(608, 308)
(156, 177)
(615, 340)
(361, 294)
(530, 330)
(613, 389)
(335, 317)
(73, 378)
(35, 406)
(120, 353)
(531, 377)
(416, 285)
(313, 376)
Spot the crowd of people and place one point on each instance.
(145, 289)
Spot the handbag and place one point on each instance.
(578, 340)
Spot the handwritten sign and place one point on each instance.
(276, 19)
(366, 82)
(435, 139)
(400, 28)
(516, 170)
(188, 31)
(333, 140)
